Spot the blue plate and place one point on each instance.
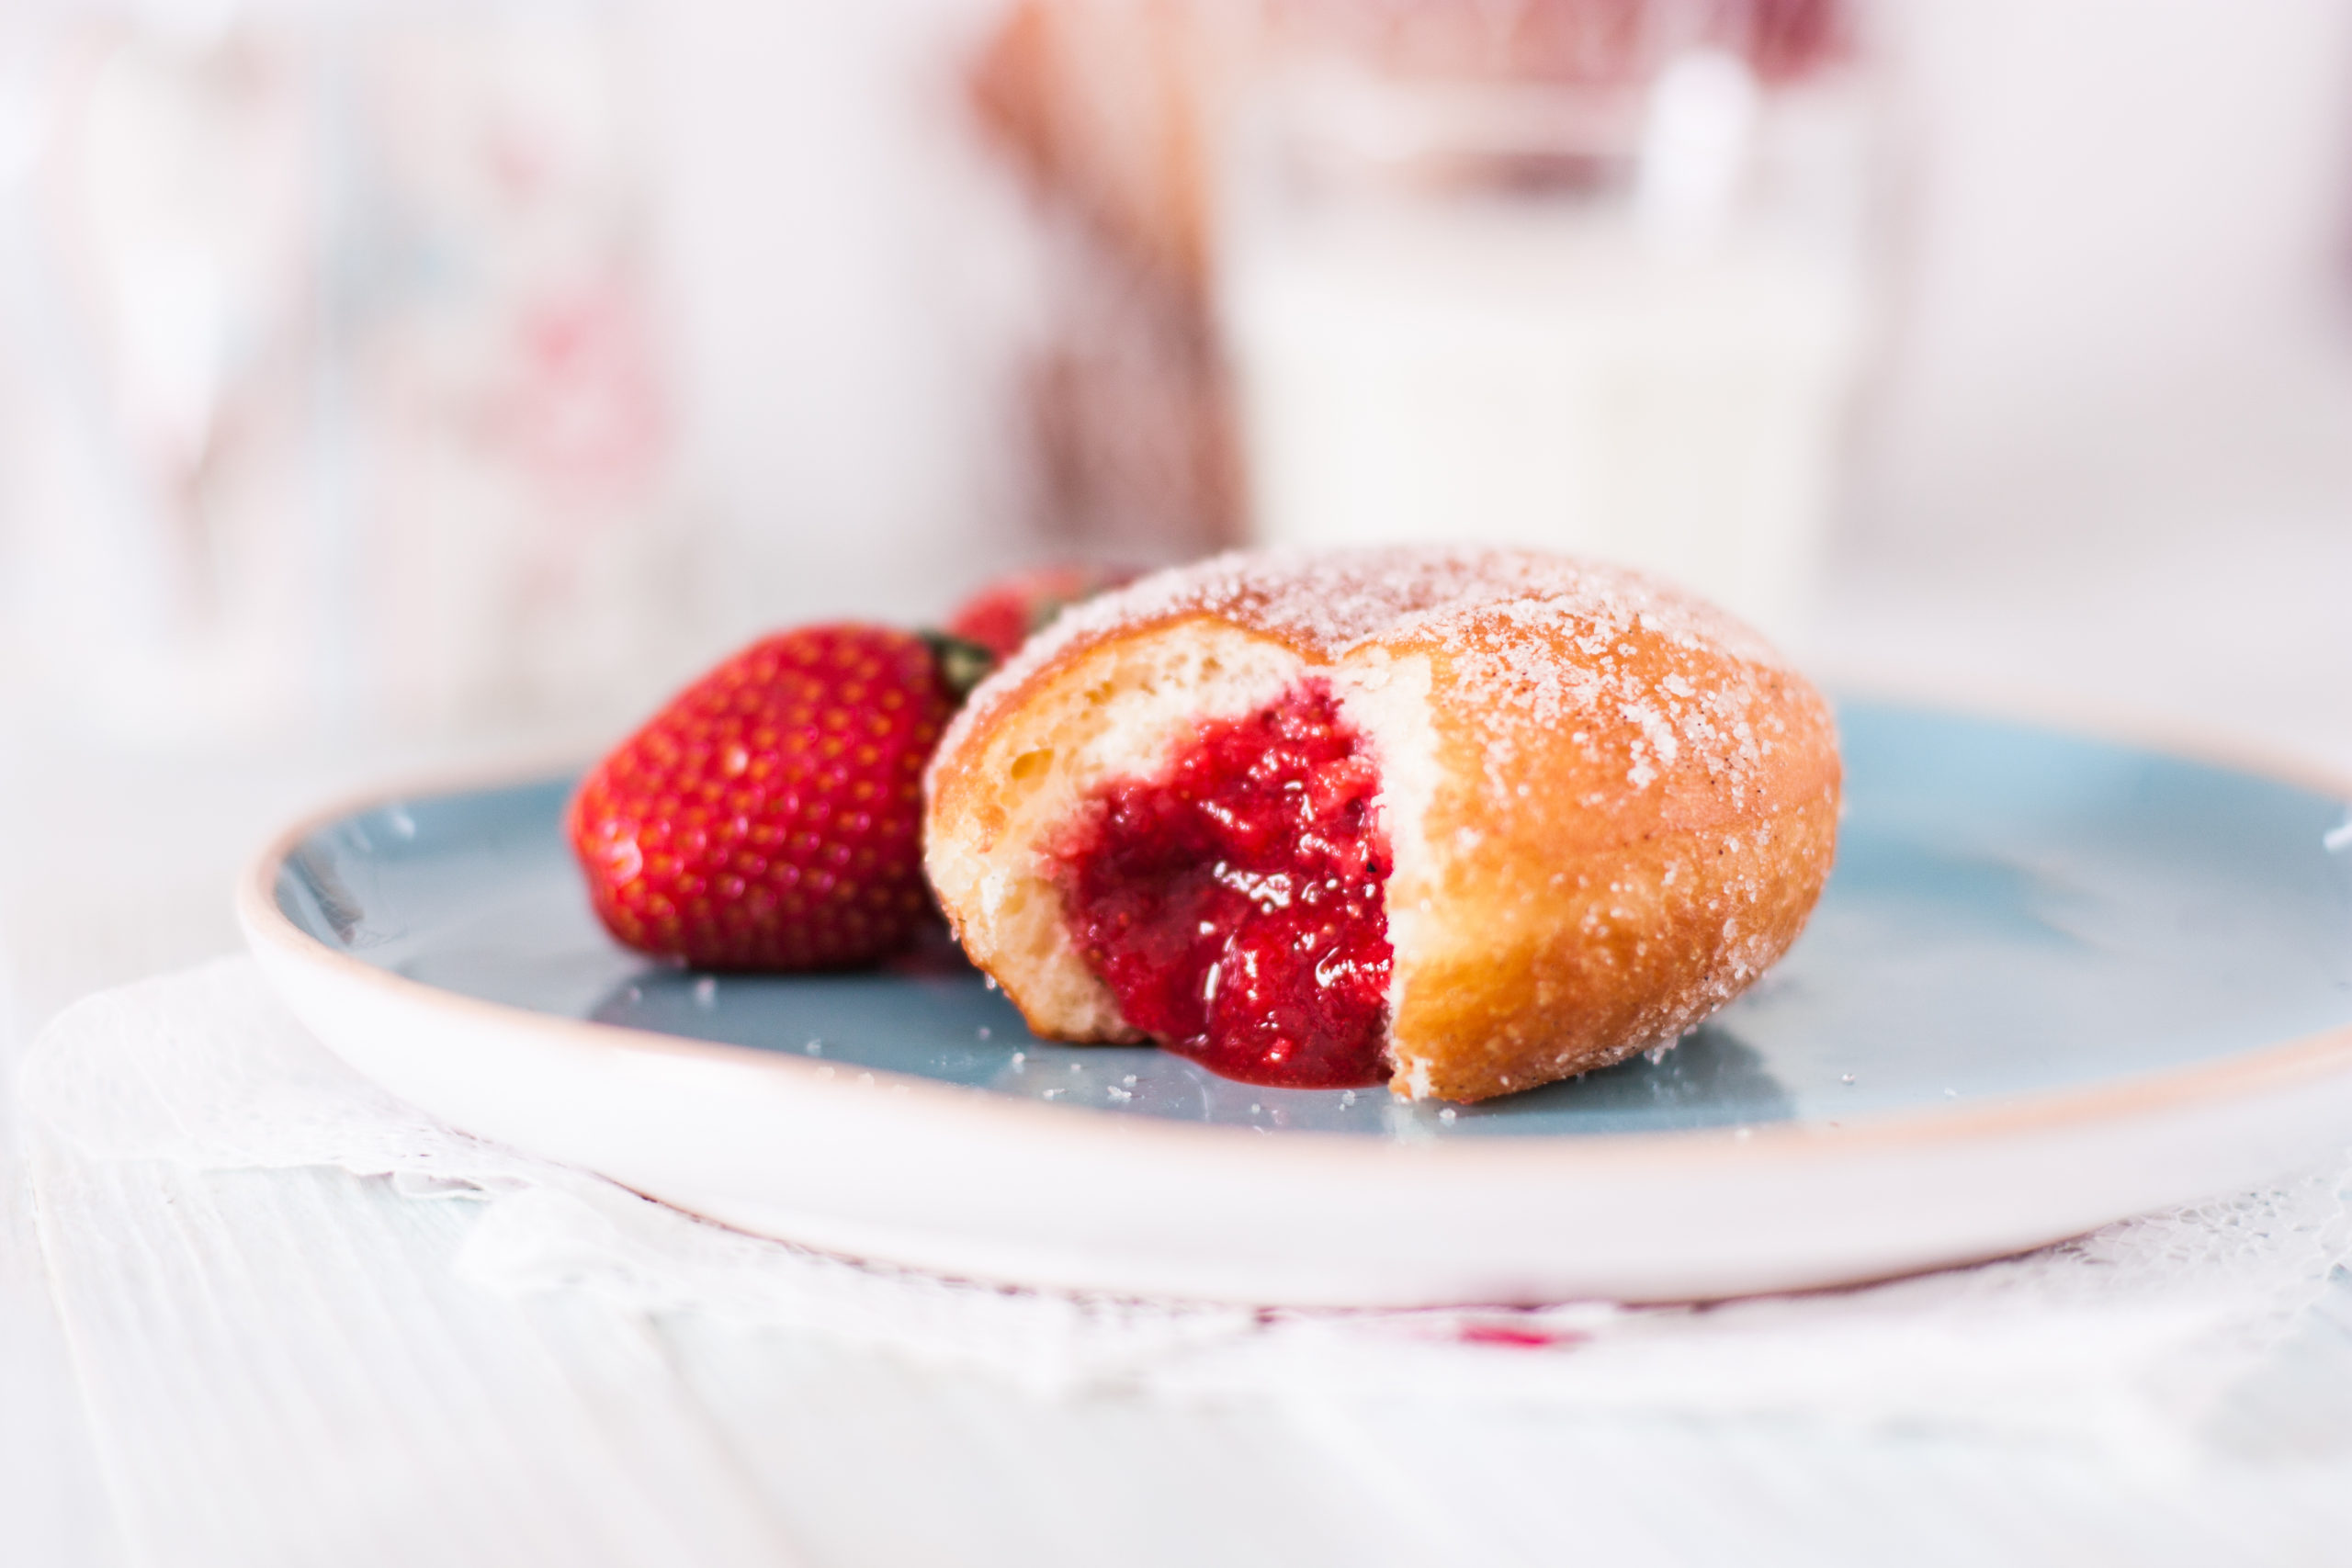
(2013, 910)
(2054, 981)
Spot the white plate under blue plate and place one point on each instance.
(2054, 981)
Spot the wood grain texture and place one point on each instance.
(280, 1367)
(53, 1508)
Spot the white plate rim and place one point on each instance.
(2260, 1075)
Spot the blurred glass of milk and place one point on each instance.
(1621, 318)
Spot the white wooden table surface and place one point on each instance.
(262, 1368)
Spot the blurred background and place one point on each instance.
(391, 386)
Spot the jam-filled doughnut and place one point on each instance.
(1465, 822)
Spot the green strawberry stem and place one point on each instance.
(963, 664)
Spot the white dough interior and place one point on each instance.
(1145, 698)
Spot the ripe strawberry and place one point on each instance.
(1002, 616)
(771, 816)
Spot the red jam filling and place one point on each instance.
(1233, 904)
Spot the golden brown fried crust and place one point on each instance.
(1591, 920)
(1599, 874)
(969, 779)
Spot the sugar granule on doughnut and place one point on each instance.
(1468, 821)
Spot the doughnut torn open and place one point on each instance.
(1465, 822)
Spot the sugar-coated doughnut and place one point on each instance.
(1470, 822)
